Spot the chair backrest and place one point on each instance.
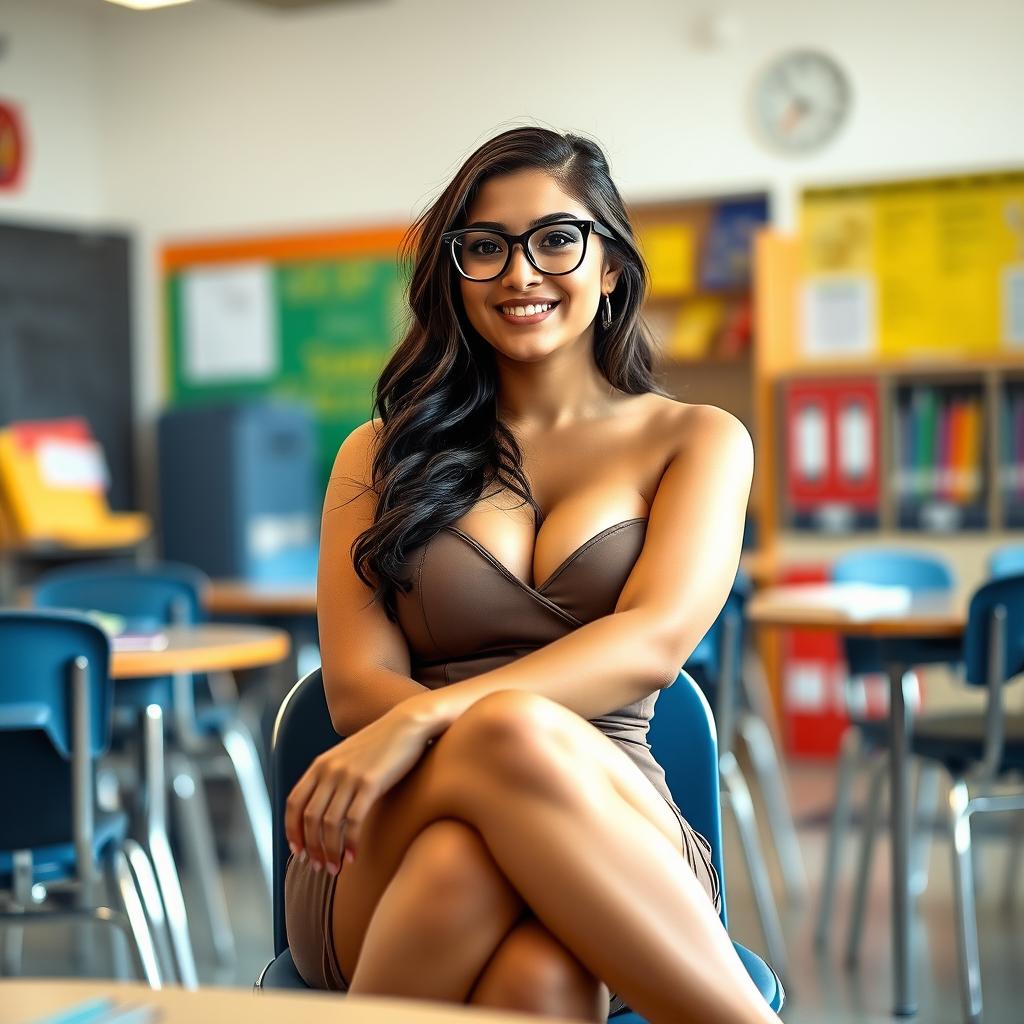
(302, 731)
(37, 653)
(915, 570)
(684, 742)
(1006, 561)
(1006, 592)
(147, 596)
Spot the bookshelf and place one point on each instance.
(701, 303)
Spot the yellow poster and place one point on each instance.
(938, 265)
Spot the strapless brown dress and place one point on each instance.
(467, 614)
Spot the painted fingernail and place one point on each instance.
(316, 865)
(349, 856)
(303, 857)
(333, 869)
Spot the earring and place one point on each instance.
(606, 313)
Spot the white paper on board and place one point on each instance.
(230, 326)
(839, 316)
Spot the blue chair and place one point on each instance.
(1007, 560)
(686, 747)
(719, 666)
(979, 753)
(865, 741)
(152, 597)
(55, 717)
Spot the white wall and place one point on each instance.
(219, 117)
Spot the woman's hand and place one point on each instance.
(341, 785)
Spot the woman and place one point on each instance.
(516, 556)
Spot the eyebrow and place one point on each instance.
(561, 215)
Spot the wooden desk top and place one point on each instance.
(24, 1000)
(850, 609)
(236, 597)
(211, 647)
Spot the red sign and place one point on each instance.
(12, 146)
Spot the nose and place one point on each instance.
(519, 270)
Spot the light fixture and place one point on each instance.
(147, 5)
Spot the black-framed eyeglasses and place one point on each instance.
(482, 254)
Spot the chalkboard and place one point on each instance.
(309, 320)
(65, 337)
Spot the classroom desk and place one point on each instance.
(25, 1000)
(260, 600)
(929, 616)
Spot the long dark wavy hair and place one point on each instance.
(441, 442)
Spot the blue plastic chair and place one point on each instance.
(55, 717)
(718, 665)
(988, 749)
(686, 747)
(152, 597)
(1006, 561)
(865, 741)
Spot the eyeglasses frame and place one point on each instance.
(586, 226)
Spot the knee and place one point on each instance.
(521, 737)
(454, 881)
(534, 973)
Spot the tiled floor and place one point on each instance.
(822, 989)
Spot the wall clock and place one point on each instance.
(801, 100)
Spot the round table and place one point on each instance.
(23, 1000)
(210, 647)
(848, 609)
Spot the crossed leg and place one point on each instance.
(584, 842)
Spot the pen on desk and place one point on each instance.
(91, 1011)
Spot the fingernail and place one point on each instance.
(349, 856)
(303, 857)
(293, 848)
(333, 869)
(316, 865)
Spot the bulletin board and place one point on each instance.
(311, 319)
(930, 267)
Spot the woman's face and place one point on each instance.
(512, 201)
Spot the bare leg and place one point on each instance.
(532, 972)
(584, 839)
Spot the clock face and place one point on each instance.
(801, 100)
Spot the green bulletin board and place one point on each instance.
(333, 310)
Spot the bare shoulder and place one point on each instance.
(352, 472)
(685, 426)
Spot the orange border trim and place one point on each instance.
(281, 248)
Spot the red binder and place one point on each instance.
(832, 444)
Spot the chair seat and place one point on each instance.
(954, 740)
(281, 973)
(57, 861)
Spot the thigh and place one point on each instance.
(448, 782)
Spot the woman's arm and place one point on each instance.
(366, 666)
(672, 596)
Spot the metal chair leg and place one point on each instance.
(1014, 863)
(122, 882)
(159, 846)
(869, 831)
(241, 749)
(14, 934)
(850, 751)
(963, 892)
(149, 890)
(928, 773)
(765, 762)
(739, 801)
(194, 817)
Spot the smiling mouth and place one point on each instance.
(522, 316)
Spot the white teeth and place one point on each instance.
(530, 310)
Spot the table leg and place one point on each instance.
(904, 1002)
